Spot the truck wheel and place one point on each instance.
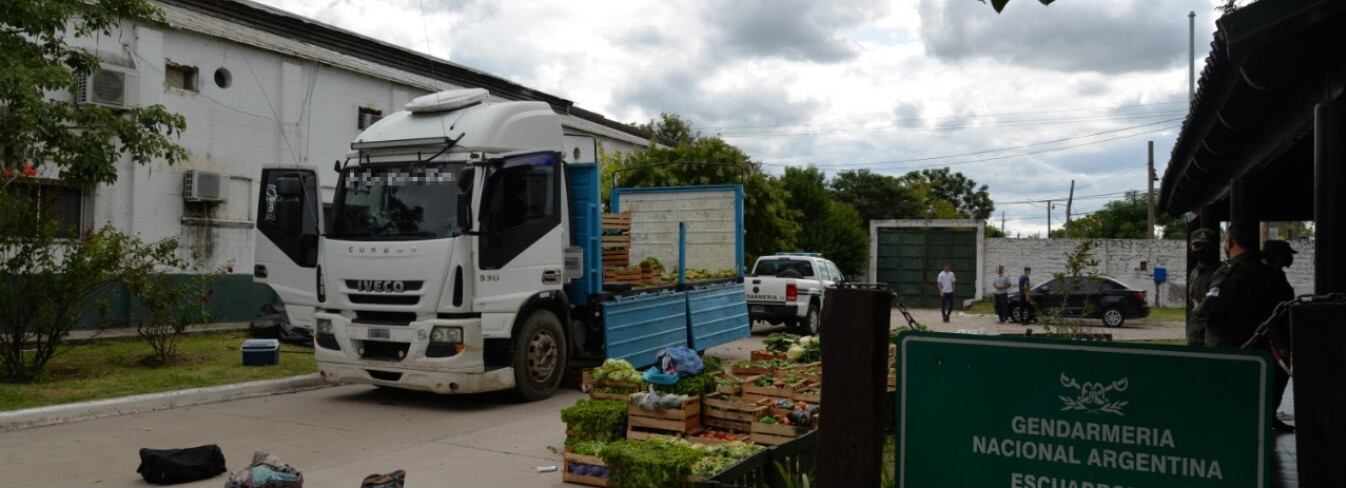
(809, 325)
(539, 356)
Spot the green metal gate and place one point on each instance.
(909, 259)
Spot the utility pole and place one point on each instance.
(1002, 222)
(1049, 219)
(1149, 196)
(1191, 56)
(1069, 201)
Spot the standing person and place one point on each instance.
(1001, 283)
(1204, 250)
(945, 282)
(1026, 285)
(1238, 299)
(1278, 255)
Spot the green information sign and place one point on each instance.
(997, 412)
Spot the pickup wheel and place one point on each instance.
(809, 324)
(539, 356)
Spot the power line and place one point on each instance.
(954, 117)
(1014, 123)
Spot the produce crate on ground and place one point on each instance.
(584, 470)
(713, 436)
(728, 384)
(811, 394)
(765, 355)
(768, 434)
(776, 388)
(731, 413)
(759, 367)
(608, 389)
(811, 372)
(681, 421)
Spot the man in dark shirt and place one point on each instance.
(1026, 284)
(1278, 255)
(1238, 299)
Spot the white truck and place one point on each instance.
(464, 255)
(787, 288)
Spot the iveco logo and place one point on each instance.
(380, 286)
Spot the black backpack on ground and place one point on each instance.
(172, 466)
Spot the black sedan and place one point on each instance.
(1086, 297)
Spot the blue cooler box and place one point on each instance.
(261, 352)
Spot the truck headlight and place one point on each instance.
(325, 338)
(324, 326)
(453, 335)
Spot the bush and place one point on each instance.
(170, 305)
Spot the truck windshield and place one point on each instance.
(391, 202)
(774, 267)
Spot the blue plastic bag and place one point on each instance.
(655, 377)
(679, 360)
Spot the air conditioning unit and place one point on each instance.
(113, 88)
(203, 186)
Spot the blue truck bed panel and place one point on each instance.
(586, 229)
(717, 314)
(641, 325)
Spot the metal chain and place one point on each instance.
(1283, 308)
(912, 324)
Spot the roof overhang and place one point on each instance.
(1252, 114)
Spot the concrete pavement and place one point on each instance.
(339, 435)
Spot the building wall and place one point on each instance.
(1120, 259)
(277, 109)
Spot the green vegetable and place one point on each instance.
(617, 370)
(651, 262)
(586, 448)
(764, 381)
(712, 364)
(695, 385)
(767, 419)
(648, 463)
(779, 341)
(596, 420)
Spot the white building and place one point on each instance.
(259, 86)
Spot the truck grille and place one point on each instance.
(385, 299)
(384, 351)
(371, 317)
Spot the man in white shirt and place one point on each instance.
(945, 282)
(1002, 286)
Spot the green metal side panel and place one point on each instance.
(909, 258)
(233, 298)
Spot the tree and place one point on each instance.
(999, 5)
(49, 284)
(769, 220)
(876, 196)
(967, 199)
(84, 141)
(826, 225)
(1122, 219)
(670, 130)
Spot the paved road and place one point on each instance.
(339, 435)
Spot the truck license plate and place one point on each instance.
(758, 308)
(376, 333)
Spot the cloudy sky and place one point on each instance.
(1024, 101)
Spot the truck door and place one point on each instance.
(285, 245)
(521, 237)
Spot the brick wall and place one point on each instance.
(1120, 259)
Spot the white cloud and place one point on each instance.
(839, 83)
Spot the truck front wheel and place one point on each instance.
(539, 356)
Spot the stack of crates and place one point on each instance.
(617, 249)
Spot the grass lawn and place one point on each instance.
(111, 368)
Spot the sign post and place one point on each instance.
(980, 411)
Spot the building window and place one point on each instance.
(366, 117)
(60, 203)
(180, 77)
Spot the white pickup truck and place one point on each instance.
(787, 288)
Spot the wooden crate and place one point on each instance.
(730, 413)
(616, 241)
(569, 457)
(651, 276)
(753, 392)
(812, 372)
(675, 421)
(765, 355)
(753, 371)
(616, 257)
(811, 395)
(619, 221)
(775, 434)
(699, 439)
(591, 387)
(622, 276)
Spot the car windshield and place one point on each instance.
(773, 267)
(390, 202)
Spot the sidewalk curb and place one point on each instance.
(75, 412)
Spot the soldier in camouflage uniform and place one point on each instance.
(1238, 299)
(1205, 249)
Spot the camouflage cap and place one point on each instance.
(1278, 248)
(1205, 236)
